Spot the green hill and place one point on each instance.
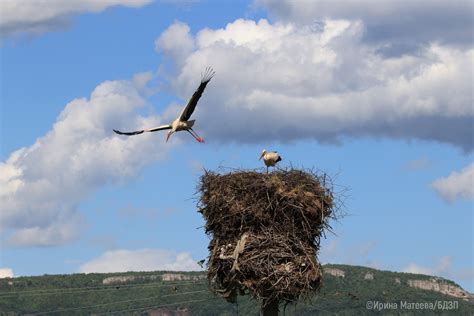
(347, 290)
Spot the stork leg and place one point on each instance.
(198, 138)
(195, 135)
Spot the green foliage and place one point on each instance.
(84, 294)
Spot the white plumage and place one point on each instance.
(270, 158)
(183, 122)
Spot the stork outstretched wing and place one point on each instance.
(154, 129)
(189, 109)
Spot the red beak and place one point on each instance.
(261, 156)
(168, 136)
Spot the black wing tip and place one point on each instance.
(208, 74)
(127, 133)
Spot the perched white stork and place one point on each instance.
(270, 158)
(182, 123)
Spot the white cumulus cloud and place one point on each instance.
(459, 184)
(442, 267)
(42, 185)
(123, 260)
(176, 42)
(282, 81)
(37, 16)
(398, 26)
(6, 273)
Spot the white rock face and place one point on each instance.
(368, 276)
(182, 277)
(335, 272)
(397, 280)
(440, 286)
(128, 278)
(163, 277)
(118, 279)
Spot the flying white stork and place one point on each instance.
(270, 158)
(182, 123)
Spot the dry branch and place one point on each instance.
(265, 231)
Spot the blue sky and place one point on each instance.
(385, 109)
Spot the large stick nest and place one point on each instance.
(265, 231)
